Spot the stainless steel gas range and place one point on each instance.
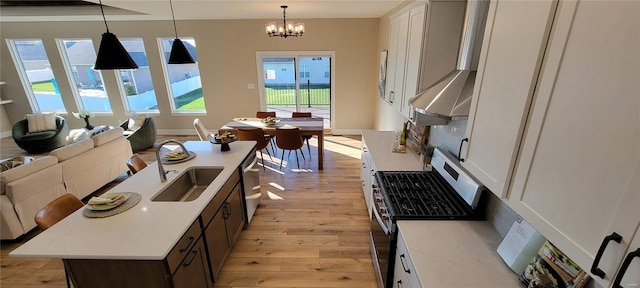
(447, 192)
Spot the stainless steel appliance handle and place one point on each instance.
(246, 169)
(382, 225)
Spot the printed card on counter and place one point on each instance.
(520, 245)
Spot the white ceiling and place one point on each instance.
(202, 9)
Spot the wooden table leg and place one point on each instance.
(321, 151)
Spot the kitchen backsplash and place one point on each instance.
(448, 137)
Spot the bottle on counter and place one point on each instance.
(403, 135)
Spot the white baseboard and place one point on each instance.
(176, 132)
(5, 134)
(347, 132)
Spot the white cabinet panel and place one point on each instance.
(577, 177)
(423, 47)
(412, 62)
(629, 276)
(399, 29)
(513, 48)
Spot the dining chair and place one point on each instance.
(255, 134)
(135, 163)
(202, 131)
(289, 138)
(263, 115)
(55, 211)
(304, 137)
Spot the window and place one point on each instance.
(79, 56)
(138, 93)
(32, 63)
(304, 71)
(185, 93)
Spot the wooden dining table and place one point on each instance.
(308, 126)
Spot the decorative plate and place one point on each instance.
(100, 207)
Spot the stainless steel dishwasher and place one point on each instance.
(251, 183)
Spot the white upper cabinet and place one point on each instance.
(423, 47)
(577, 178)
(399, 29)
(512, 50)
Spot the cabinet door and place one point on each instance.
(630, 276)
(400, 279)
(235, 217)
(515, 38)
(399, 28)
(412, 60)
(365, 177)
(194, 270)
(577, 179)
(217, 243)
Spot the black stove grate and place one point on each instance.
(422, 195)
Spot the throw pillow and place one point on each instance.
(41, 122)
(136, 121)
(15, 162)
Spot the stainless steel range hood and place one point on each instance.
(451, 96)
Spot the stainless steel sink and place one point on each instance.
(189, 185)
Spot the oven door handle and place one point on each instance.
(382, 225)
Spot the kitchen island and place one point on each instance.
(149, 232)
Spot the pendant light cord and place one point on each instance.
(105, 19)
(174, 19)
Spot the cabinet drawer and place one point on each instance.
(406, 264)
(217, 201)
(182, 247)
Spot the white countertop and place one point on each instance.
(147, 231)
(379, 144)
(456, 254)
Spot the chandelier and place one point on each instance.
(286, 30)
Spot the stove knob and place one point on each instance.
(378, 198)
(384, 210)
(385, 216)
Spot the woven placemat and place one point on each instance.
(134, 199)
(169, 162)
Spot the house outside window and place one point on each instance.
(79, 56)
(185, 87)
(304, 71)
(32, 64)
(138, 93)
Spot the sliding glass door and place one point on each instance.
(296, 83)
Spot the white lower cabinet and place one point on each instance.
(576, 179)
(366, 172)
(404, 272)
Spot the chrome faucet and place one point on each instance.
(161, 171)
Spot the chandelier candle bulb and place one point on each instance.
(287, 29)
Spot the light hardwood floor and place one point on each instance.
(310, 230)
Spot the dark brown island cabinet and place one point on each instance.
(195, 261)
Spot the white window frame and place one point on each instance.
(297, 55)
(123, 94)
(167, 81)
(24, 79)
(71, 77)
